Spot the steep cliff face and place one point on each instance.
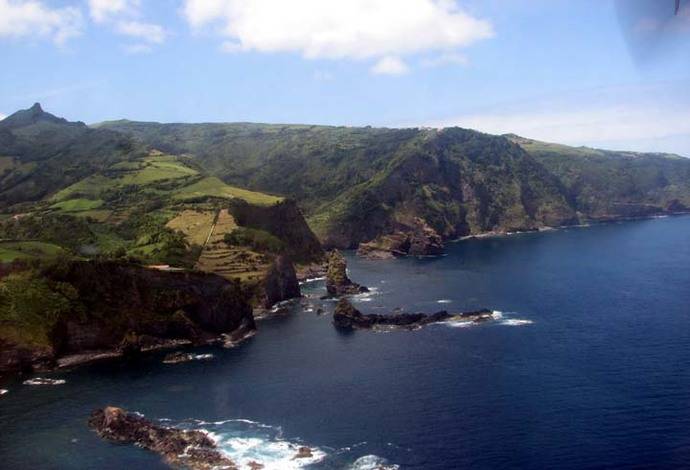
(456, 183)
(283, 221)
(115, 305)
(280, 283)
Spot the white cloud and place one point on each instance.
(448, 58)
(104, 10)
(146, 32)
(2, 116)
(390, 66)
(582, 126)
(339, 29)
(19, 18)
(123, 17)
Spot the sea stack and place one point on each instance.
(337, 281)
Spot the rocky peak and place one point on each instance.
(337, 281)
(33, 115)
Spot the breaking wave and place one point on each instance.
(245, 441)
(516, 322)
(44, 381)
(373, 462)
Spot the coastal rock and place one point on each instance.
(179, 357)
(337, 281)
(17, 358)
(346, 316)
(675, 206)
(311, 271)
(179, 448)
(415, 238)
(280, 282)
(303, 453)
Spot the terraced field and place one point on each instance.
(228, 261)
(196, 225)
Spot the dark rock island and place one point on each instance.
(180, 448)
(346, 316)
(337, 281)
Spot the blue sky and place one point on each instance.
(612, 74)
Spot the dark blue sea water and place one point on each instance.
(588, 367)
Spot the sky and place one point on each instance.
(603, 73)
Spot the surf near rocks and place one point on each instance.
(346, 316)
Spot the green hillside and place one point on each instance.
(605, 184)
(356, 184)
(143, 205)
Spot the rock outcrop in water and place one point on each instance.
(337, 281)
(346, 316)
(179, 448)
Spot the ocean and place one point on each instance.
(586, 364)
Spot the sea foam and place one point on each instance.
(373, 462)
(44, 381)
(246, 441)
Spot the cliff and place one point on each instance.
(89, 306)
(284, 221)
(280, 283)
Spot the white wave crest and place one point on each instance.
(373, 462)
(444, 301)
(310, 280)
(245, 441)
(459, 324)
(515, 322)
(3, 391)
(44, 381)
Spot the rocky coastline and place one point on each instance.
(123, 310)
(189, 449)
(346, 316)
(179, 448)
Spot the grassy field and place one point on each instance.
(195, 225)
(11, 250)
(212, 186)
(142, 172)
(77, 205)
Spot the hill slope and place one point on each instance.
(41, 153)
(605, 184)
(360, 183)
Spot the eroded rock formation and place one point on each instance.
(346, 316)
(179, 448)
(337, 281)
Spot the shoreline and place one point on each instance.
(588, 223)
